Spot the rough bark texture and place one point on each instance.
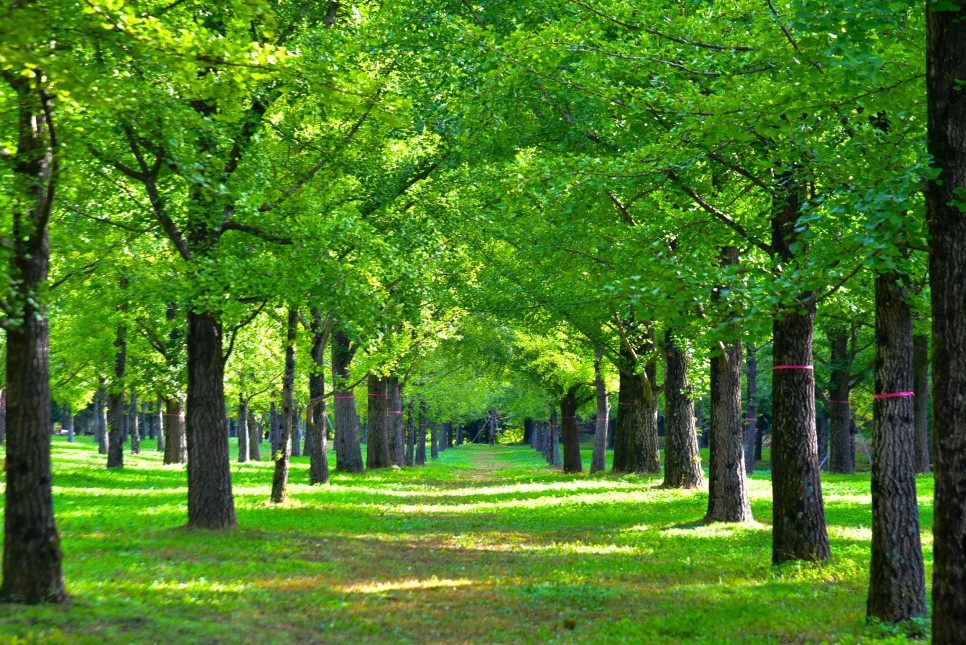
(444, 428)
(377, 446)
(348, 455)
(636, 449)
(920, 405)
(841, 457)
(316, 444)
(397, 435)
(598, 459)
(945, 71)
(32, 569)
(897, 580)
(283, 454)
(242, 429)
(420, 459)
(798, 514)
(682, 459)
(211, 504)
(751, 406)
(274, 428)
(175, 441)
(571, 434)
(254, 439)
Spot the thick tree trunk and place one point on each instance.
(348, 455)
(317, 443)
(377, 452)
(283, 455)
(32, 570)
(920, 405)
(103, 436)
(572, 462)
(176, 440)
(682, 459)
(598, 459)
(397, 434)
(751, 406)
(798, 514)
(841, 454)
(242, 429)
(945, 71)
(421, 437)
(159, 424)
(637, 449)
(534, 433)
(897, 582)
(211, 504)
(134, 427)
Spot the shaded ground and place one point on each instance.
(487, 545)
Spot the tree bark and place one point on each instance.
(377, 453)
(491, 433)
(421, 438)
(945, 71)
(100, 407)
(682, 459)
(598, 459)
(348, 455)
(443, 435)
(134, 427)
(637, 439)
(434, 440)
(176, 441)
(317, 443)
(32, 559)
(211, 504)
(410, 433)
(572, 462)
(274, 428)
(798, 514)
(841, 455)
(242, 429)
(751, 406)
(897, 582)
(397, 435)
(920, 405)
(283, 455)
(254, 439)
(555, 459)
(159, 423)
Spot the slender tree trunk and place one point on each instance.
(211, 504)
(434, 440)
(491, 437)
(751, 406)
(622, 429)
(443, 435)
(118, 415)
(682, 459)
(598, 459)
(69, 423)
(945, 71)
(841, 456)
(274, 428)
(159, 423)
(103, 437)
(296, 432)
(410, 433)
(572, 462)
(920, 405)
(242, 429)
(555, 459)
(534, 433)
(397, 435)
(798, 514)
(134, 427)
(421, 438)
(254, 439)
(283, 455)
(897, 582)
(317, 443)
(377, 453)
(348, 455)
(32, 570)
(176, 440)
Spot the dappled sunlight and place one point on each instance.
(716, 530)
(404, 585)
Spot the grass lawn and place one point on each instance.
(486, 545)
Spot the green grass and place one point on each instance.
(486, 545)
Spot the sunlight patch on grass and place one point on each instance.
(405, 585)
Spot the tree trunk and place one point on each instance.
(176, 441)
(572, 462)
(682, 459)
(822, 433)
(69, 423)
(242, 429)
(296, 432)
(491, 436)
(637, 439)
(377, 453)
(410, 433)
(134, 427)
(32, 569)
(555, 459)
(118, 415)
(100, 405)
(283, 454)
(528, 431)
(274, 428)
(159, 424)
(317, 443)
(598, 459)
(897, 582)
(397, 435)
(798, 514)
(434, 440)
(421, 438)
(443, 435)
(211, 504)
(254, 439)
(348, 455)
(920, 405)
(751, 406)
(534, 434)
(841, 455)
(945, 71)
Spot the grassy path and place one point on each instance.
(485, 545)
